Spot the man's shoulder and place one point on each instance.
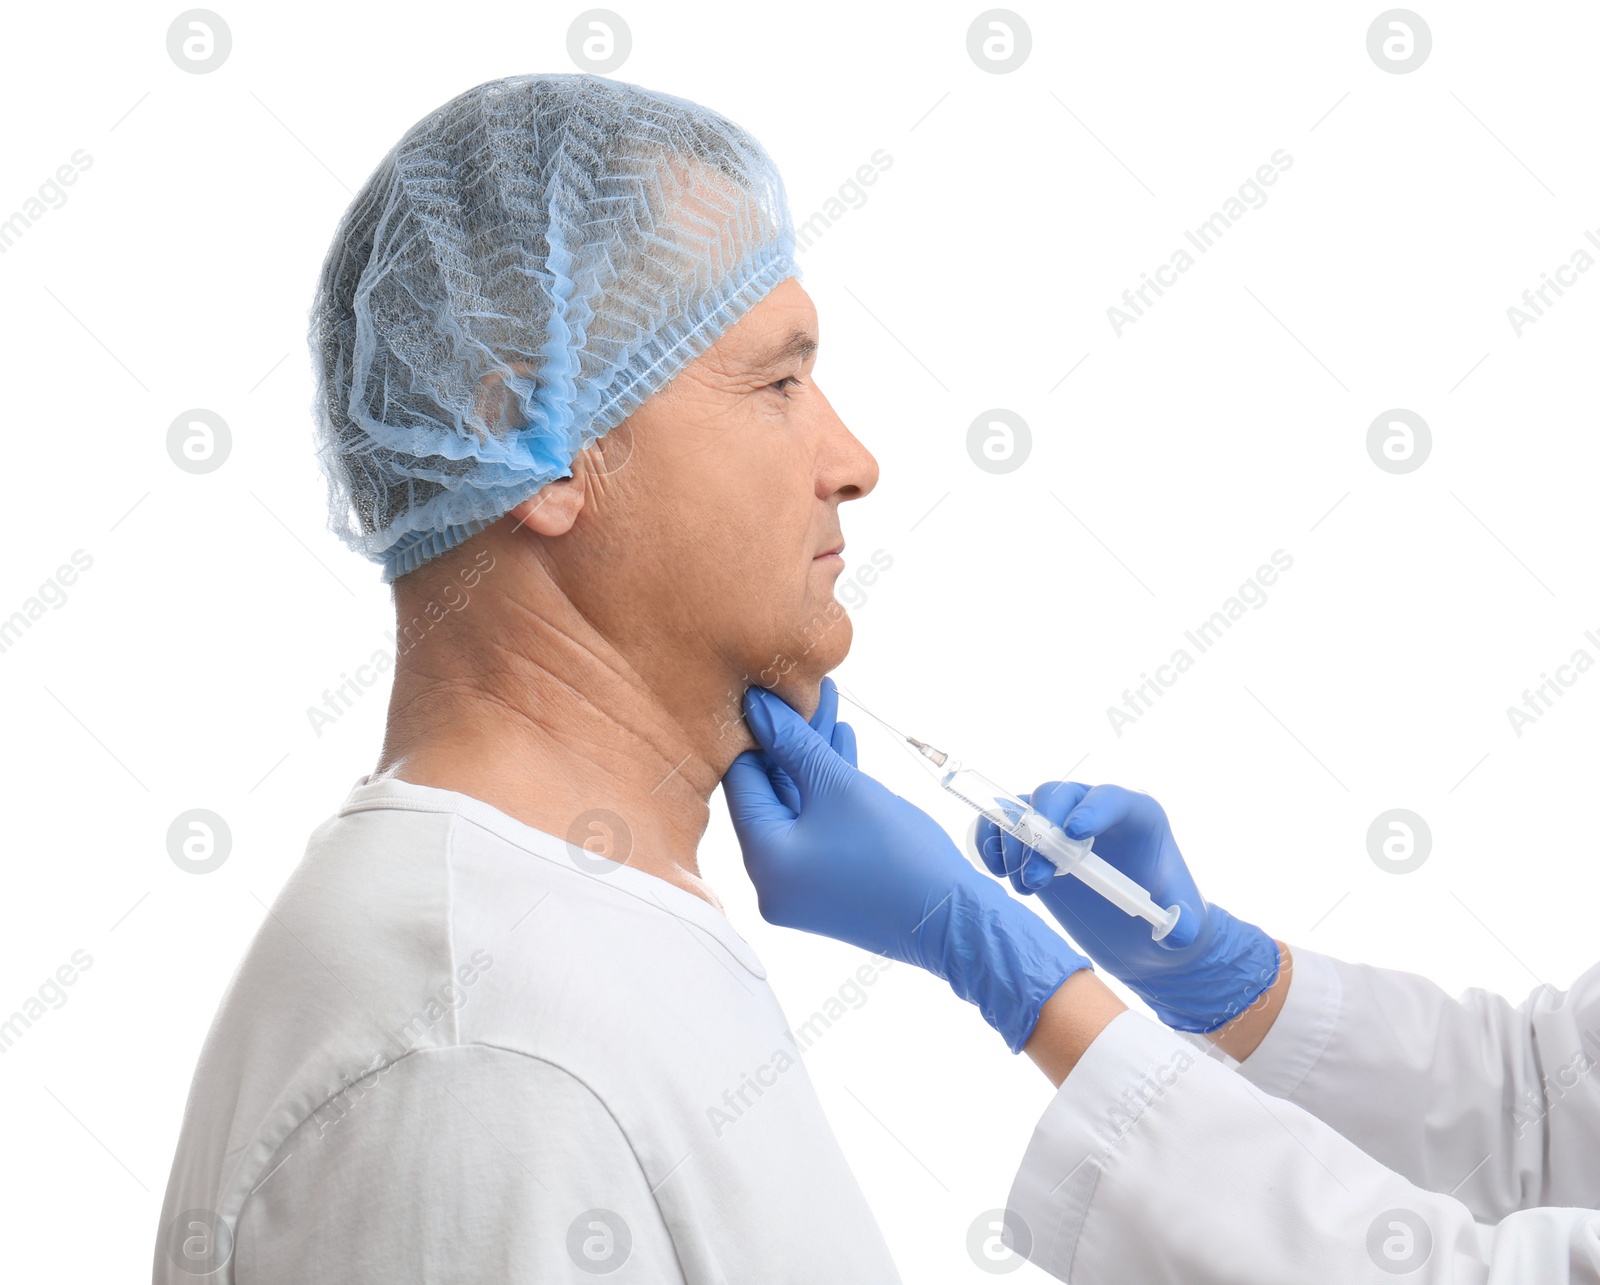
(415, 928)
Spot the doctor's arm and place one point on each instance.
(1070, 1020)
(1492, 1102)
(1156, 1162)
(1495, 1102)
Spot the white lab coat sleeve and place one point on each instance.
(1154, 1162)
(1495, 1103)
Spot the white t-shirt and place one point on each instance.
(460, 1050)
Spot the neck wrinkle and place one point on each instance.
(541, 716)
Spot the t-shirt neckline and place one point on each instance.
(394, 792)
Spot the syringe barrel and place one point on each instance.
(1052, 842)
(1068, 855)
(1015, 817)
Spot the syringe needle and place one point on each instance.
(869, 713)
(926, 754)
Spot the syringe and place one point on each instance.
(1036, 831)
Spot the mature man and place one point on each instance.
(566, 400)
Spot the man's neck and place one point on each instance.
(561, 733)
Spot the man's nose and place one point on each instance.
(847, 468)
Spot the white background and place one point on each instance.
(1228, 422)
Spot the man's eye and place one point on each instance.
(785, 384)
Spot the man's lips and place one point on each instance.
(833, 552)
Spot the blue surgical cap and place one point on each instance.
(529, 264)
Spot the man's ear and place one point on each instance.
(554, 509)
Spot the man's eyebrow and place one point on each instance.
(799, 344)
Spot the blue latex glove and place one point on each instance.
(832, 851)
(1205, 972)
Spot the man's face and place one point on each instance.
(710, 528)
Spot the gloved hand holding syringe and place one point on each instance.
(1015, 817)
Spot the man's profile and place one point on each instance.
(566, 403)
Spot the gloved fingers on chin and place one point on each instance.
(844, 742)
(784, 787)
(791, 743)
(827, 714)
(752, 800)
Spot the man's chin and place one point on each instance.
(800, 684)
(825, 644)
(834, 646)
